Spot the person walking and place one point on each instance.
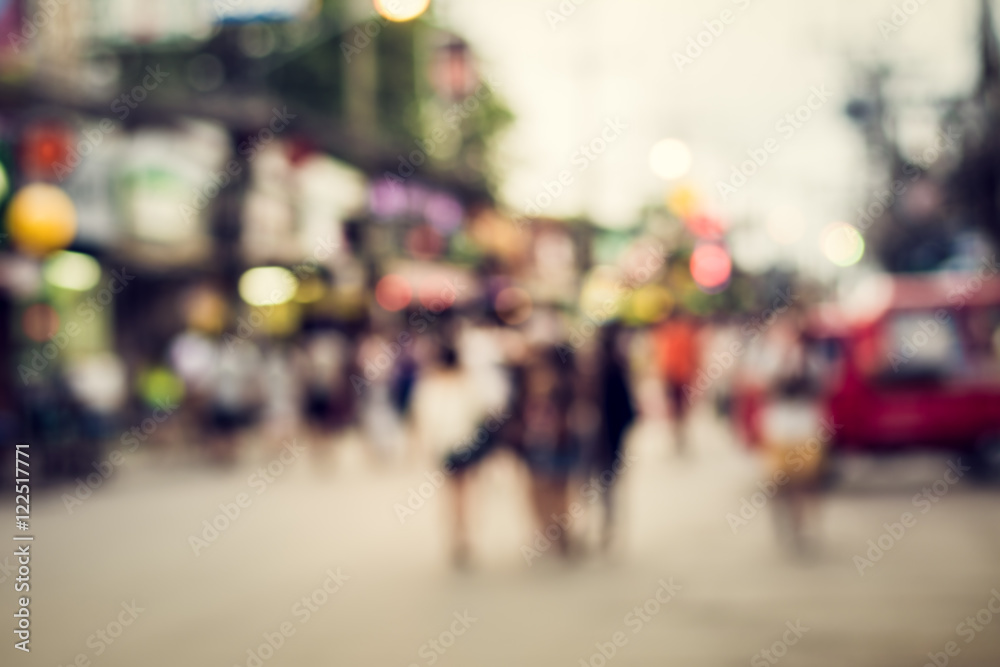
(678, 357)
(617, 414)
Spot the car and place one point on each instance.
(918, 368)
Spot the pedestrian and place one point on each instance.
(543, 403)
(447, 410)
(678, 358)
(617, 414)
(790, 426)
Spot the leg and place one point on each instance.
(459, 504)
(559, 506)
(678, 413)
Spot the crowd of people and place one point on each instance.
(452, 398)
(461, 392)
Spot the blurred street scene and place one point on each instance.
(735, 590)
(432, 331)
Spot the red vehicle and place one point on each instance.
(920, 370)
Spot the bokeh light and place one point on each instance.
(401, 10)
(683, 201)
(159, 385)
(705, 225)
(711, 266)
(513, 305)
(267, 286)
(603, 292)
(670, 159)
(41, 218)
(310, 291)
(72, 270)
(393, 293)
(40, 322)
(842, 244)
(650, 303)
(4, 182)
(206, 310)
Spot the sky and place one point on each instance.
(567, 74)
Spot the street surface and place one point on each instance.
(381, 592)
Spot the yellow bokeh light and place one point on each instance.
(650, 303)
(683, 201)
(310, 291)
(603, 292)
(401, 10)
(41, 218)
(267, 286)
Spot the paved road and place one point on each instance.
(319, 561)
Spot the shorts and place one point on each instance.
(466, 457)
(227, 420)
(551, 461)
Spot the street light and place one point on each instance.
(400, 11)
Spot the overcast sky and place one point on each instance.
(614, 59)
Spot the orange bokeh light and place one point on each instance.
(393, 293)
